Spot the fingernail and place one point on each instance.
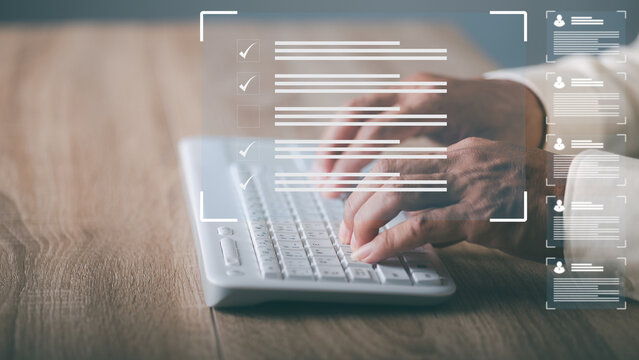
(362, 252)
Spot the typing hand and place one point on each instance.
(490, 109)
(485, 180)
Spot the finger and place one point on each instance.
(356, 199)
(333, 133)
(361, 158)
(348, 132)
(431, 227)
(367, 221)
(352, 205)
(382, 207)
(372, 132)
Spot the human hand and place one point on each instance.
(485, 180)
(489, 109)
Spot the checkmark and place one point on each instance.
(243, 186)
(246, 84)
(245, 52)
(243, 152)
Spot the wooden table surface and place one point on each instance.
(96, 252)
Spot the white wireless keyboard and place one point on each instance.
(284, 245)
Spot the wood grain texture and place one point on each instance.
(96, 255)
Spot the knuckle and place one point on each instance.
(386, 165)
(470, 142)
(359, 219)
(389, 241)
(392, 200)
(470, 150)
(349, 209)
(417, 226)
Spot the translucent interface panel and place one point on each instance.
(602, 166)
(278, 83)
(595, 221)
(590, 225)
(585, 33)
(586, 284)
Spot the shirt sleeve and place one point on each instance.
(579, 189)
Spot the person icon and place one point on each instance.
(559, 21)
(559, 145)
(559, 268)
(559, 206)
(559, 83)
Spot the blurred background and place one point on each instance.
(34, 12)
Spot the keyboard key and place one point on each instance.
(335, 216)
(258, 226)
(307, 212)
(287, 237)
(270, 271)
(265, 251)
(335, 225)
(229, 251)
(392, 261)
(346, 250)
(262, 243)
(284, 227)
(392, 275)
(261, 234)
(314, 226)
(361, 275)
(294, 254)
(295, 263)
(348, 262)
(323, 261)
(426, 277)
(316, 251)
(315, 235)
(419, 267)
(290, 245)
(262, 246)
(320, 244)
(267, 259)
(280, 215)
(331, 273)
(256, 215)
(306, 274)
(415, 258)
